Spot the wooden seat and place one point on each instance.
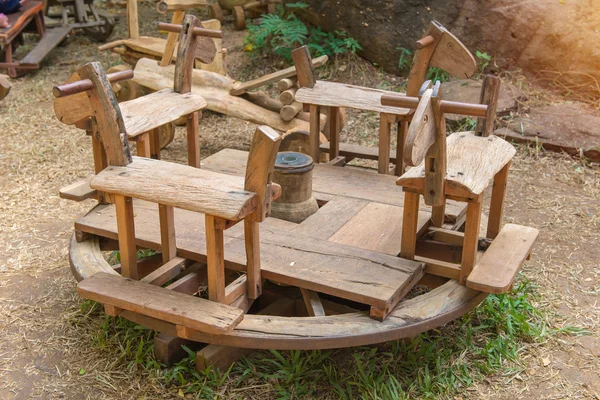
(438, 48)
(149, 45)
(496, 270)
(473, 161)
(155, 109)
(178, 308)
(180, 186)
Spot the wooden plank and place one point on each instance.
(78, 191)
(377, 227)
(165, 273)
(236, 289)
(331, 182)
(156, 109)
(273, 77)
(473, 161)
(339, 270)
(49, 41)
(179, 186)
(304, 68)
(440, 268)
(497, 203)
(490, 91)
(351, 150)
(313, 304)
(126, 236)
(147, 45)
(330, 218)
(333, 94)
(190, 283)
(153, 301)
(497, 269)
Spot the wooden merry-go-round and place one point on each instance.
(353, 258)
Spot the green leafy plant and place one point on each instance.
(483, 60)
(283, 31)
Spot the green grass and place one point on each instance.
(436, 364)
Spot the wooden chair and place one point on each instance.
(438, 48)
(225, 200)
(459, 167)
(144, 115)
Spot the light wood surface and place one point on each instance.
(159, 108)
(333, 94)
(421, 131)
(165, 272)
(497, 269)
(179, 186)
(78, 191)
(472, 163)
(177, 308)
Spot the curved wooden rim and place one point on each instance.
(409, 318)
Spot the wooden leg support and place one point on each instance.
(155, 144)
(193, 140)
(409, 225)
(334, 140)
(168, 350)
(471, 239)
(143, 145)
(313, 304)
(252, 240)
(385, 129)
(315, 132)
(126, 234)
(215, 260)
(497, 203)
(401, 139)
(168, 244)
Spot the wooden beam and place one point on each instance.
(313, 304)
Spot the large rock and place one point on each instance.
(534, 34)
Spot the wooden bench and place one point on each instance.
(438, 48)
(496, 270)
(118, 294)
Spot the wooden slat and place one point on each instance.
(313, 304)
(331, 181)
(78, 191)
(357, 151)
(235, 289)
(51, 39)
(333, 94)
(179, 186)
(271, 78)
(153, 301)
(377, 227)
(497, 269)
(165, 273)
(331, 268)
(159, 108)
(472, 163)
(330, 218)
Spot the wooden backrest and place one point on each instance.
(92, 87)
(441, 49)
(304, 67)
(259, 170)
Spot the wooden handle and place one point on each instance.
(424, 42)
(69, 89)
(449, 107)
(213, 33)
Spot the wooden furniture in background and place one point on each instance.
(439, 48)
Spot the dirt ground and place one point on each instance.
(45, 353)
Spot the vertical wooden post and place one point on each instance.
(143, 145)
(471, 238)
(193, 140)
(400, 140)
(315, 132)
(132, 19)
(334, 140)
(490, 91)
(409, 225)
(126, 235)
(385, 130)
(168, 243)
(497, 203)
(100, 161)
(172, 39)
(252, 241)
(436, 164)
(215, 260)
(155, 144)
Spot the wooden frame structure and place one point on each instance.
(438, 48)
(339, 278)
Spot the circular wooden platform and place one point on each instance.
(410, 317)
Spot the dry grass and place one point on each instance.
(47, 347)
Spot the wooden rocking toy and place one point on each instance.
(219, 197)
(438, 48)
(142, 116)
